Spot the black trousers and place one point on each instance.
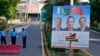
(24, 41)
(13, 40)
(3, 40)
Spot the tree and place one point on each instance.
(48, 15)
(76, 2)
(8, 8)
(95, 11)
(49, 6)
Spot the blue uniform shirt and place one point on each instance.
(24, 33)
(13, 33)
(2, 33)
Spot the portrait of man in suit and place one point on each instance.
(70, 24)
(58, 22)
(83, 26)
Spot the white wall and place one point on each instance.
(84, 0)
(40, 7)
(23, 0)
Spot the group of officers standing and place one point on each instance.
(13, 35)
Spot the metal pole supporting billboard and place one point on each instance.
(70, 42)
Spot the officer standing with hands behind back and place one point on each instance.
(13, 36)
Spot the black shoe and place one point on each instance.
(24, 47)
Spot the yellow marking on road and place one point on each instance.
(86, 52)
(93, 39)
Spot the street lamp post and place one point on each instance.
(26, 11)
(72, 2)
(21, 14)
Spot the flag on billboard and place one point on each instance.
(76, 10)
(64, 11)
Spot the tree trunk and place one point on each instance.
(66, 2)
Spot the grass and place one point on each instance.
(79, 54)
(6, 27)
(62, 53)
(57, 53)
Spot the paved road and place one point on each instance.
(34, 41)
(34, 47)
(94, 47)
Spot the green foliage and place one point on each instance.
(76, 2)
(57, 53)
(54, 2)
(48, 34)
(95, 11)
(48, 15)
(8, 8)
(48, 22)
(78, 54)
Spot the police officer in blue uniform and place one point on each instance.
(3, 36)
(13, 36)
(24, 35)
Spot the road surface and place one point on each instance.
(94, 47)
(34, 47)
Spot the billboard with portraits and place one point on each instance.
(69, 20)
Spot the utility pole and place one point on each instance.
(69, 2)
(72, 2)
(26, 11)
(70, 47)
(66, 2)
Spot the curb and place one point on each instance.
(46, 50)
(87, 53)
(13, 26)
(95, 31)
(43, 54)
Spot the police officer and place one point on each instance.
(13, 36)
(24, 35)
(3, 36)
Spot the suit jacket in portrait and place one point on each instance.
(55, 29)
(67, 29)
(86, 29)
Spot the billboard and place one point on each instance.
(69, 20)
